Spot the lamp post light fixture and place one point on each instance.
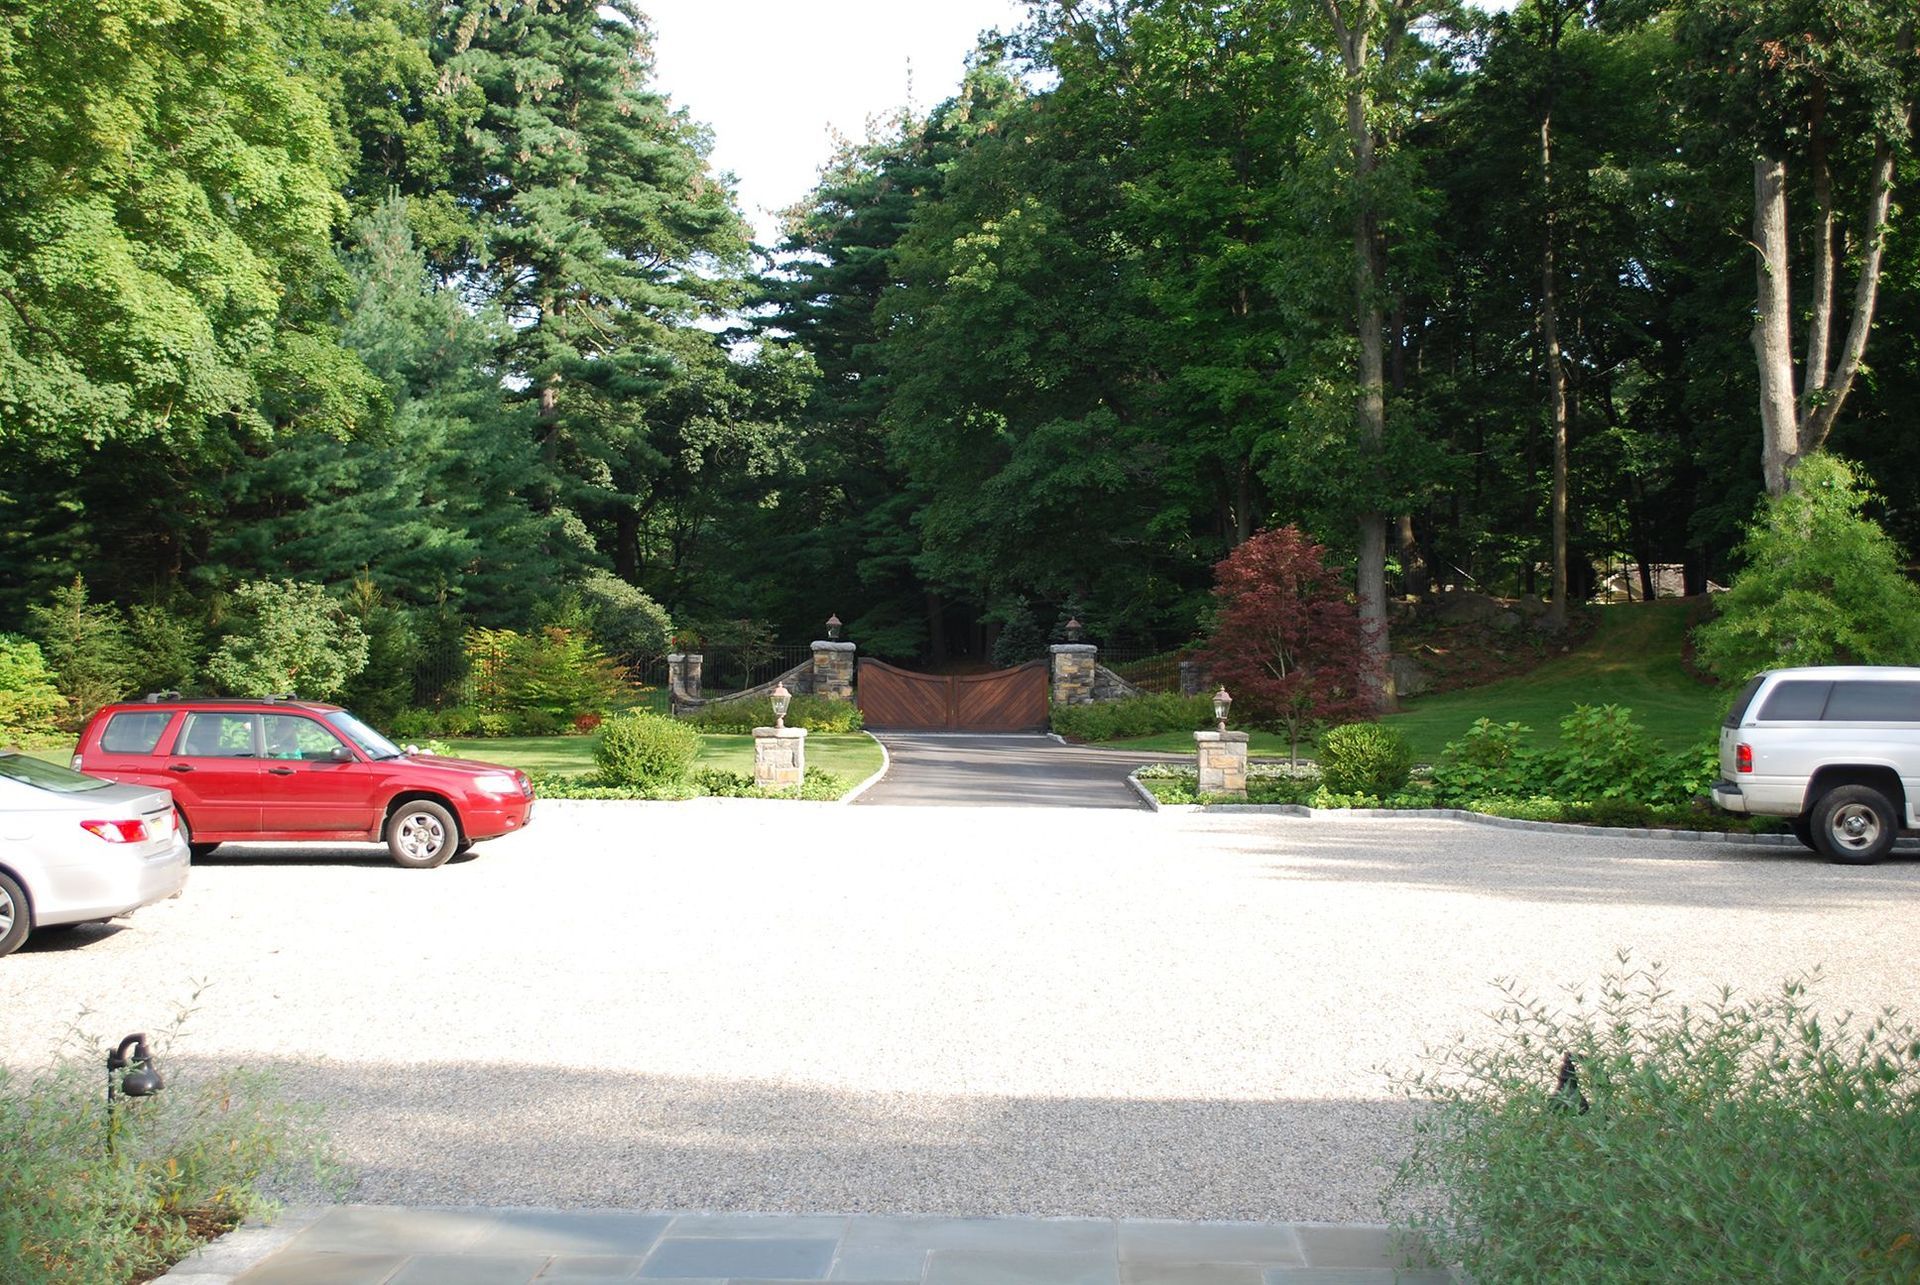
(1221, 704)
(1075, 629)
(132, 1074)
(833, 627)
(782, 698)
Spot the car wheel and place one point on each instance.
(195, 850)
(1802, 829)
(421, 835)
(1854, 825)
(14, 915)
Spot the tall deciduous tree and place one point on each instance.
(1370, 39)
(1823, 91)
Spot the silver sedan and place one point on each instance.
(74, 848)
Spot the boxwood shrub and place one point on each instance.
(642, 749)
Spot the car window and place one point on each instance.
(376, 745)
(1795, 701)
(217, 736)
(1881, 702)
(1744, 699)
(47, 776)
(294, 736)
(135, 733)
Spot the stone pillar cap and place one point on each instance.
(822, 644)
(1229, 738)
(780, 733)
(1076, 649)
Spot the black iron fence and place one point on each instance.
(1150, 671)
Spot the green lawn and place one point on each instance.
(853, 756)
(1632, 659)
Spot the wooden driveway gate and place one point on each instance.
(1009, 700)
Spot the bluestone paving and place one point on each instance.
(1020, 1267)
(731, 1256)
(380, 1245)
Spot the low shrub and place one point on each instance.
(1740, 1139)
(185, 1164)
(1151, 715)
(645, 750)
(586, 724)
(739, 718)
(1365, 758)
(1490, 762)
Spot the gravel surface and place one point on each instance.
(738, 1005)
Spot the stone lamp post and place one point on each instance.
(1222, 754)
(779, 752)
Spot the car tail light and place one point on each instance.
(1743, 758)
(117, 831)
(76, 763)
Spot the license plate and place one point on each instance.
(160, 825)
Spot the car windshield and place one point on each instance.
(47, 776)
(376, 745)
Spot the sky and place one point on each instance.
(774, 79)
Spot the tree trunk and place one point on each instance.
(1772, 326)
(1556, 383)
(1370, 410)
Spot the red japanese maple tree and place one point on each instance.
(1287, 643)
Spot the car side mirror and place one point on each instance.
(341, 754)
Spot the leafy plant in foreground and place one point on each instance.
(188, 1162)
(1739, 1139)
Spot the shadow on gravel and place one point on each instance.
(479, 1132)
(1555, 868)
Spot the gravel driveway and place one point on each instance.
(761, 1006)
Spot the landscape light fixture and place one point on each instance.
(781, 699)
(1221, 703)
(1075, 629)
(833, 627)
(132, 1074)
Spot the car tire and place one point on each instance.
(1854, 825)
(421, 835)
(195, 851)
(1802, 829)
(15, 916)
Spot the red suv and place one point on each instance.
(280, 769)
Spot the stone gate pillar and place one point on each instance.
(779, 757)
(683, 677)
(1223, 763)
(1073, 666)
(833, 670)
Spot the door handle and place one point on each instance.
(279, 771)
(179, 767)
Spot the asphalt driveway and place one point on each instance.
(745, 1005)
(928, 769)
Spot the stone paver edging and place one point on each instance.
(1461, 814)
(376, 1244)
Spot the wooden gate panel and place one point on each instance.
(1012, 700)
(899, 698)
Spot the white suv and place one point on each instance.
(1834, 749)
